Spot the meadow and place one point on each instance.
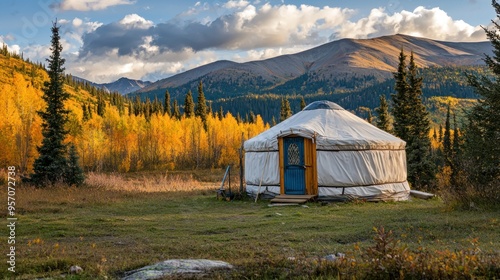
(120, 222)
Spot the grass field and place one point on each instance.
(107, 230)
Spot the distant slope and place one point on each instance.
(122, 85)
(337, 66)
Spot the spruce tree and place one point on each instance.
(220, 114)
(189, 105)
(51, 164)
(411, 123)
(176, 113)
(447, 147)
(74, 174)
(302, 103)
(201, 106)
(166, 106)
(421, 169)
(383, 119)
(482, 133)
(369, 119)
(285, 111)
(400, 100)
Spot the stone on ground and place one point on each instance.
(175, 267)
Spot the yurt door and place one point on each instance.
(295, 169)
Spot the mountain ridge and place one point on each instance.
(371, 60)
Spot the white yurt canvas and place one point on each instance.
(346, 156)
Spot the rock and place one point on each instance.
(75, 269)
(334, 257)
(172, 267)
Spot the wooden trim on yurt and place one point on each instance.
(310, 161)
(282, 165)
(311, 167)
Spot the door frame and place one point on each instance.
(310, 161)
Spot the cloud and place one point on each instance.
(91, 5)
(247, 28)
(430, 23)
(241, 30)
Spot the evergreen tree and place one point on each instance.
(86, 115)
(482, 133)
(51, 164)
(401, 105)
(285, 111)
(74, 173)
(176, 111)
(220, 113)
(383, 119)
(166, 106)
(189, 105)
(302, 103)
(101, 106)
(411, 123)
(370, 117)
(201, 106)
(455, 166)
(421, 169)
(447, 148)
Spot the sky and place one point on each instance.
(104, 40)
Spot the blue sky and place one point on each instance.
(149, 40)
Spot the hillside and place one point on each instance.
(109, 131)
(338, 66)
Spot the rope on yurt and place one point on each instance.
(262, 176)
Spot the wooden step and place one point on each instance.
(288, 200)
(288, 196)
(300, 199)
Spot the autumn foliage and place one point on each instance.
(111, 138)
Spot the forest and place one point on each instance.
(111, 132)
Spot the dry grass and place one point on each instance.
(147, 184)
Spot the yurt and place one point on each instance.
(328, 152)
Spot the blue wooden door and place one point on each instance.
(295, 170)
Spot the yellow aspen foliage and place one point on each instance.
(116, 140)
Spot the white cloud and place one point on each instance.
(430, 23)
(136, 21)
(77, 22)
(91, 5)
(235, 4)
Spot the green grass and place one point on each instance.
(110, 232)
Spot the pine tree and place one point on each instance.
(400, 100)
(74, 174)
(101, 106)
(220, 114)
(447, 148)
(201, 106)
(421, 169)
(176, 113)
(369, 119)
(302, 103)
(411, 123)
(285, 111)
(166, 106)
(51, 164)
(189, 105)
(383, 119)
(482, 133)
(455, 166)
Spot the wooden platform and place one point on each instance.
(296, 199)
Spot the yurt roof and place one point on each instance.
(330, 126)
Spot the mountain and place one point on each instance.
(125, 85)
(122, 85)
(334, 67)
